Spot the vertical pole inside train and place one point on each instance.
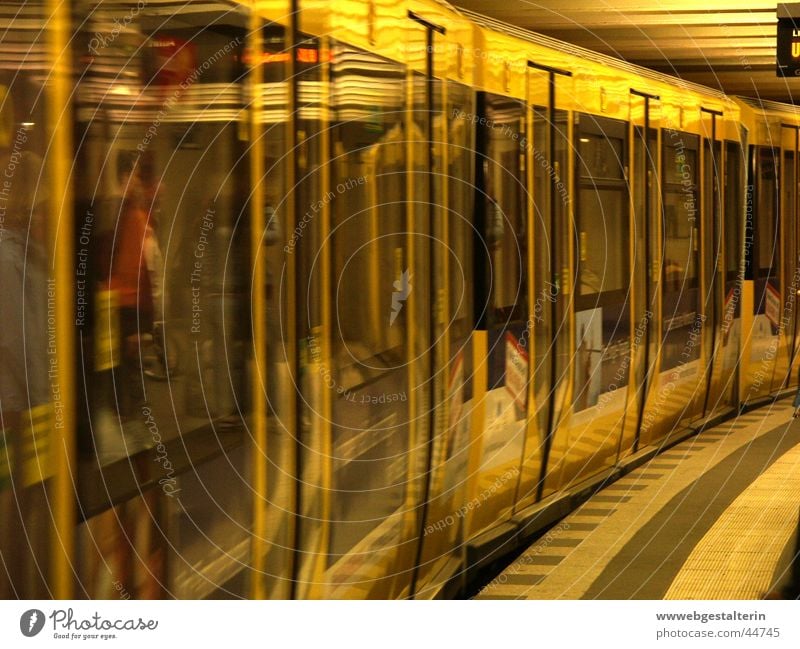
(61, 228)
(293, 291)
(715, 277)
(431, 29)
(649, 267)
(257, 388)
(553, 269)
(793, 247)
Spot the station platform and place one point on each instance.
(714, 517)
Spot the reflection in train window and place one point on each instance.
(460, 201)
(767, 224)
(28, 388)
(733, 206)
(368, 205)
(603, 240)
(680, 261)
(680, 213)
(161, 215)
(600, 155)
(162, 177)
(505, 233)
(371, 284)
(603, 206)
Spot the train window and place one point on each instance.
(680, 165)
(600, 155)
(368, 170)
(603, 240)
(603, 206)
(163, 259)
(505, 225)
(681, 228)
(767, 231)
(788, 207)
(371, 283)
(733, 206)
(681, 221)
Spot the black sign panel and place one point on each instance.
(788, 47)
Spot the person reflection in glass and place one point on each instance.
(25, 410)
(131, 282)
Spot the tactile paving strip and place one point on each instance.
(579, 571)
(736, 559)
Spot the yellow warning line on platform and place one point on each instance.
(736, 558)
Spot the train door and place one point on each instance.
(730, 329)
(501, 304)
(600, 348)
(713, 295)
(792, 213)
(764, 256)
(550, 321)
(540, 263)
(790, 271)
(442, 245)
(365, 361)
(672, 400)
(645, 286)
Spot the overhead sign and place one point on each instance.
(788, 52)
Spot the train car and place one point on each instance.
(350, 300)
(770, 280)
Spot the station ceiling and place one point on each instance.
(723, 44)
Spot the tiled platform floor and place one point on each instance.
(711, 518)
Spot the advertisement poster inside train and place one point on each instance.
(588, 354)
(516, 371)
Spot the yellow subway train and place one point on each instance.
(308, 299)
